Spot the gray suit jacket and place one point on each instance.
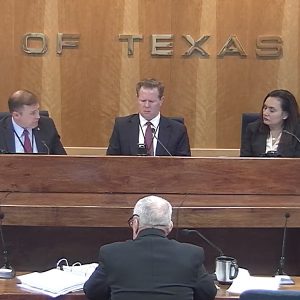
(125, 137)
(151, 267)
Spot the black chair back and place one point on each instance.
(246, 119)
(4, 114)
(178, 119)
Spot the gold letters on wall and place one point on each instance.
(63, 40)
(162, 44)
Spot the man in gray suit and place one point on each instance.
(150, 267)
(167, 136)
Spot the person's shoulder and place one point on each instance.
(188, 247)
(126, 119)
(115, 245)
(46, 123)
(45, 120)
(175, 122)
(254, 126)
(298, 126)
(6, 122)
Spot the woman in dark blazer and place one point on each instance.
(277, 131)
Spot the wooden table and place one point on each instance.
(10, 290)
(71, 205)
(65, 191)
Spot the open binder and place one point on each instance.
(58, 281)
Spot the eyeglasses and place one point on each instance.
(130, 220)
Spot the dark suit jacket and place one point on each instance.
(152, 267)
(45, 134)
(125, 137)
(254, 142)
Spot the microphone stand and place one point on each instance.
(189, 231)
(164, 147)
(222, 272)
(7, 271)
(284, 278)
(46, 146)
(286, 131)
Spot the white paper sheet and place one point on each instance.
(244, 281)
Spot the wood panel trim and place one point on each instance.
(66, 211)
(196, 152)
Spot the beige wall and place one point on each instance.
(85, 88)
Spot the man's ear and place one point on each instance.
(15, 114)
(170, 228)
(135, 228)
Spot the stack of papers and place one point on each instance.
(56, 282)
(245, 282)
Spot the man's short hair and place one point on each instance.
(153, 212)
(18, 99)
(150, 83)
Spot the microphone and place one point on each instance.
(280, 272)
(187, 232)
(142, 150)
(293, 135)
(46, 146)
(154, 136)
(7, 271)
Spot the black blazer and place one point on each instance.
(152, 267)
(125, 137)
(45, 135)
(254, 142)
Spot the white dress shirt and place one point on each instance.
(143, 127)
(272, 143)
(19, 138)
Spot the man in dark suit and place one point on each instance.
(150, 267)
(148, 129)
(25, 131)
